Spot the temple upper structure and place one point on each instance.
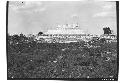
(66, 29)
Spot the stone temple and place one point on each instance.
(65, 33)
(71, 33)
(68, 29)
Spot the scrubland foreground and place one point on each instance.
(95, 59)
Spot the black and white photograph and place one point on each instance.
(62, 40)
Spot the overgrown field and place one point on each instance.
(61, 60)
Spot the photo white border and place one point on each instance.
(3, 62)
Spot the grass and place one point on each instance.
(61, 60)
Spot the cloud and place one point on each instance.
(27, 6)
(40, 9)
(107, 6)
(104, 14)
(107, 10)
(101, 14)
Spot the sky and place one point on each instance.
(31, 17)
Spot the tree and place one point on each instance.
(16, 38)
(23, 37)
(40, 33)
(107, 30)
